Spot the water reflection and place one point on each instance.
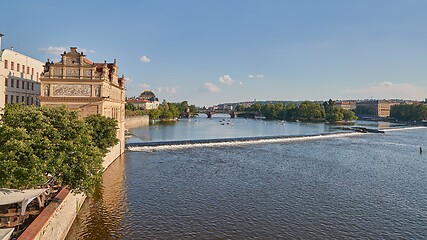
(223, 127)
(101, 215)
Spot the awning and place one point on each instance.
(24, 197)
(5, 233)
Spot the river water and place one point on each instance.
(344, 185)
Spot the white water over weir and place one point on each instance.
(182, 144)
(172, 145)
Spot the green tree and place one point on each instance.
(130, 106)
(348, 115)
(154, 113)
(409, 112)
(39, 142)
(103, 131)
(193, 108)
(310, 111)
(329, 106)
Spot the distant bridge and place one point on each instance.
(233, 114)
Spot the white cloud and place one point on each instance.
(167, 89)
(389, 90)
(85, 51)
(211, 87)
(386, 84)
(60, 50)
(226, 79)
(143, 85)
(240, 83)
(256, 76)
(145, 59)
(53, 50)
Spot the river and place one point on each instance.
(335, 186)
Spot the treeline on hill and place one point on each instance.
(306, 111)
(409, 112)
(40, 144)
(166, 110)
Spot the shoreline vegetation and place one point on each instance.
(306, 112)
(167, 112)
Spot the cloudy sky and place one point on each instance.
(216, 51)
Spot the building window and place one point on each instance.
(28, 70)
(32, 86)
(12, 66)
(23, 99)
(32, 101)
(11, 98)
(17, 99)
(28, 85)
(17, 85)
(5, 64)
(28, 100)
(5, 99)
(37, 76)
(17, 67)
(11, 82)
(32, 71)
(23, 85)
(5, 82)
(23, 68)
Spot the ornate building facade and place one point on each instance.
(88, 87)
(19, 78)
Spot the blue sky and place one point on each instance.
(216, 51)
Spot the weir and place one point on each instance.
(241, 140)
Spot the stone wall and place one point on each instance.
(54, 222)
(134, 122)
(56, 219)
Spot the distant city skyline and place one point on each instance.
(211, 52)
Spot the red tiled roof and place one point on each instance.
(87, 61)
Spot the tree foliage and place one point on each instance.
(103, 131)
(409, 112)
(39, 142)
(335, 114)
(306, 111)
(166, 111)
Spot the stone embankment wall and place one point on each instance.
(134, 122)
(54, 222)
(56, 219)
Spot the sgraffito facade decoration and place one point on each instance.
(73, 72)
(72, 90)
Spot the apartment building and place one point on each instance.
(19, 78)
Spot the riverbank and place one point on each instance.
(138, 121)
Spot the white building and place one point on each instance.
(144, 104)
(19, 78)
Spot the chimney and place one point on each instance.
(1, 35)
